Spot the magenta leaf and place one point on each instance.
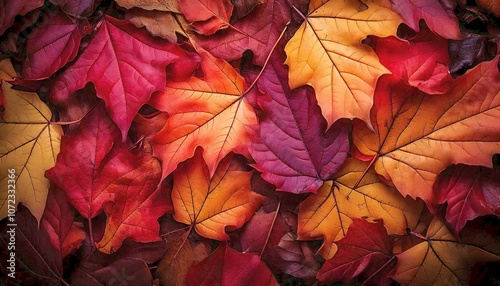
(365, 251)
(294, 151)
(469, 191)
(125, 64)
(52, 45)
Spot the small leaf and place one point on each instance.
(212, 204)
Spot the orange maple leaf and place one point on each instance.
(442, 260)
(354, 193)
(211, 205)
(210, 112)
(326, 53)
(419, 135)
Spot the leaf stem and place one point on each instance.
(74, 121)
(184, 241)
(380, 269)
(270, 229)
(267, 59)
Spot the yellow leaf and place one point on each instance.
(330, 212)
(29, 144)
(441, 259)
(326, 53)
(212, 204)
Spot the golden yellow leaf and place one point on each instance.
(326, 53)
(212, 204)
(440, 259)
(29, 144)
(329, 213)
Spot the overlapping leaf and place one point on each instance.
(417, 135)
(365, 251)
(52, 45)
(438, 15)
(353, 194)
(65, 234)
(209, 112)
(212, 204)
(257, 31)
(470, 191)
(441, 259)
(207, 16)
(226, 266)
(326, 53)
(422, 63)
(110, 178)
(118, 70)
(294, 152)
(29, 143)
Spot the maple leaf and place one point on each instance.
(417, 135)
(295, 153)
(365, 251)
(12, 8)
(118, 71)
(110, 178)
(438, 16)
(65, 234)
(29, 144)
(207, 16)
(466, 189)
(35, 259)
(85, 151)
(226, 266)
(442, 260)
(210, 112)
(212, 204)
(354, 193)
(423, 62)
(258, 31)
(326, 53)
(52, 45)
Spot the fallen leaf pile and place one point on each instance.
(249, 142)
